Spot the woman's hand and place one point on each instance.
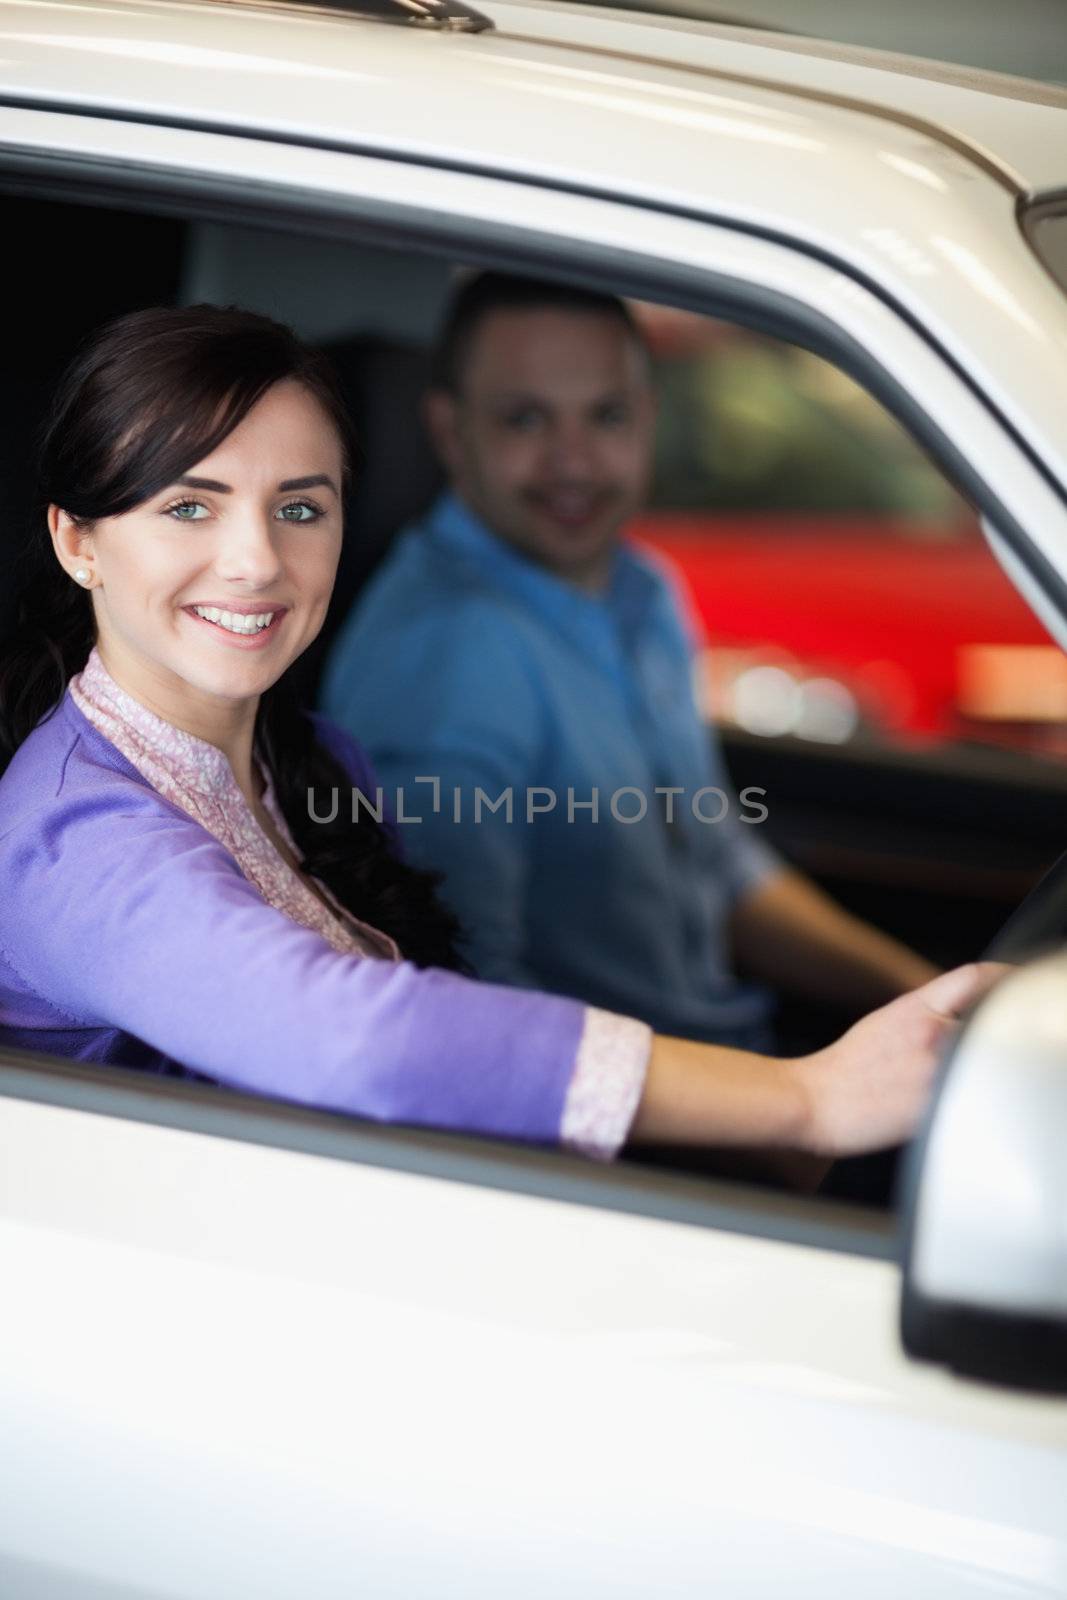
(868, 1089)
(864, 1092)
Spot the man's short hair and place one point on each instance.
(486, 292)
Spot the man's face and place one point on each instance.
(549, 440)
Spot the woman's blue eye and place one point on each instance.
(306, 512)
(185, 511)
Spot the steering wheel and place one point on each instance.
(1038, 923)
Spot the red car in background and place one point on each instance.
(774, 470)
(927, 638)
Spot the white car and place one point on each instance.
(251, 1351)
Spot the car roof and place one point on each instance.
(309, 67)
(990, 114)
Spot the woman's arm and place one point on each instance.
(864, 1092)
(125, 913)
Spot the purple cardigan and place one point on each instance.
(129, 935)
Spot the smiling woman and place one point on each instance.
(240, 544)
(256, 530)
(169, 900)
(239, 555)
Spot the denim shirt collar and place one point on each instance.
(598, 624)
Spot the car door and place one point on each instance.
(247, 1350)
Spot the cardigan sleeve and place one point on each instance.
(123, 912)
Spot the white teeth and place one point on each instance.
(235, 621)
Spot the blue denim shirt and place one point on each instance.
(466, 663)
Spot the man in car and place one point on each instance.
(521, 675)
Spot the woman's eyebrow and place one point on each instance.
(315, 481)
(204, 483)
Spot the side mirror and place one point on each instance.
(985, 1193)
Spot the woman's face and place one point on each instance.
(251, 531)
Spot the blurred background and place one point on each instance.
(1025, 37)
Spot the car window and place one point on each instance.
(785, 501)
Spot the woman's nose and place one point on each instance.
(247, 552)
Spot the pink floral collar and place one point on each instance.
(195, 775)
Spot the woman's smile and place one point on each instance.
(236, 625)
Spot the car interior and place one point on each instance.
(936, 835)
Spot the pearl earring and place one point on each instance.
(83, 574)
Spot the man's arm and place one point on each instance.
(786, 931)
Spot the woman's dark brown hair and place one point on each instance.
(145, 398)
